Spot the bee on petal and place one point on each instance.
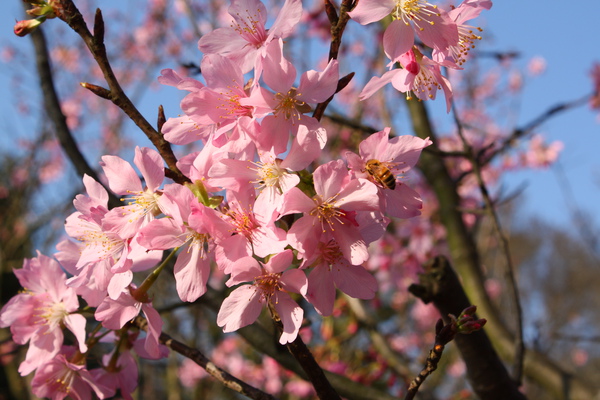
(381, 173)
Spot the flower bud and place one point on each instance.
(25, 27)
(41, 10)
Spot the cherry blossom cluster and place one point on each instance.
(445, 32)
(258, 207)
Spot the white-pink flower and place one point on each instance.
(332, 212)
(247, 37)
(270, 284)
(144, 201)
(396, 156)
(60, 378)
(38, 314)
(431, 24)
(114, 314)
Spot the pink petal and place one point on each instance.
(222, 41)
(355, 281)
(239, 309)
(151, 165)
(191, 273)
(278, 73)
(121, 175)
(316, 87)
(368, 11)
(403, 202)
(377, 83)
(291, 315)
(397, 39)
(321, 290)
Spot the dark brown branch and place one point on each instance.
(308, 363)
(338, 24)
(54, 111)
(255, 335)
(337, 29)
(443, 335)
(199, 358)
(68, 12)
(488, 376)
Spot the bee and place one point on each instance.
(381, 174)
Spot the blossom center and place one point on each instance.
(268, 284)
(331, 252)
(269, 173)
(243, 222)
(251, 28)
(230, 99)
(53, 314)
(327, 213)
(290, 106)
(418, 12)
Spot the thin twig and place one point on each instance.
(431, 364)
(68, 12)
(199, 358)
(440, 285)
(486, 156)
(338, 25)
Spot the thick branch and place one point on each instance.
(312, 369)
(465, 259)
(488, 376)
(510, 275)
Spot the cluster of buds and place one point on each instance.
(465, 323)
(41, 11)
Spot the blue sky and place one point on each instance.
(566, 37)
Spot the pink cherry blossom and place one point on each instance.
(114, 314)
(191, 229)
(398, 155)
(254, 231)
(289, 104)
(37, 316)
(271, 283)
(244, 42)
(431, 24)
(419, 75)
(60, 378)
(331, 270)
(331, 212)
(458, 53)
(144, 202)
(122, 376)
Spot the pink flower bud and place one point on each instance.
(25, 27)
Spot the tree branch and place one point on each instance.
(509, 271)
(255, 335)
(54, 111)
(199, 358)
(466, 260)
(68, 12)
(488, 376)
